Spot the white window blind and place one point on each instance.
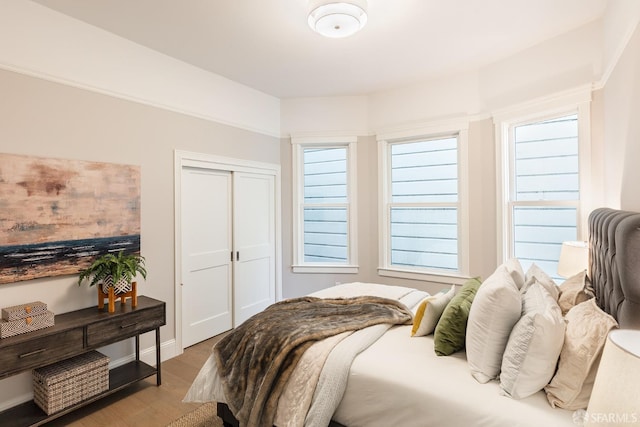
(545, 195)
(324, 201)
(325, 207)
(423, 204)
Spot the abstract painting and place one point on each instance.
(57, 216)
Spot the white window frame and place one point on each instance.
(567, 103)
(298, 146)
(457, 128)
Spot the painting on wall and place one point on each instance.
(57, 215)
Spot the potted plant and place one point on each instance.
(114, 270)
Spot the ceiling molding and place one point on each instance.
(620, 49)
(86, 57)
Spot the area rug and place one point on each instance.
(202, 416)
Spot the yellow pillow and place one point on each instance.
(429, 312)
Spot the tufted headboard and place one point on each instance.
(614, 263)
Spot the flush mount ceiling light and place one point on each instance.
(337, 19)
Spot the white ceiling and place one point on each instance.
(267, 44)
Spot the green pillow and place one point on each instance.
(449, 335)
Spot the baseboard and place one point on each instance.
(147, 355)
(167, 351)
(15, 401)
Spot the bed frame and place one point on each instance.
(614, 270)
(228, 420)
(614, 264)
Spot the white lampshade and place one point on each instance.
(337, 19)
(574, 258)
(615, 399)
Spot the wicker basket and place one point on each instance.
(22, 326)
(63, 384)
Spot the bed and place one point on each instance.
(399, 380)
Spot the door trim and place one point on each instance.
(213, 162)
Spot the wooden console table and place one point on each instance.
(74, 333)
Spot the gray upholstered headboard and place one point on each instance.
(614, 263)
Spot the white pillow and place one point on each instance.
(429, 312)
(495, 309)
(534, 345)
(535, 272)
(514, 268)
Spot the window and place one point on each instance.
(422, 207)
(325, 205)
(324, 208)
(543, 185)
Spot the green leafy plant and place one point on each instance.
(118, 266)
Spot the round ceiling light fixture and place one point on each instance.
(337, 19)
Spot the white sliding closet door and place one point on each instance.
(254, 244)
(228, 247)
(207, 274)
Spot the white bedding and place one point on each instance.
(399, 381)
(320, 402)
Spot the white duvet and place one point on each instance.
(399, 381)
(395, 381)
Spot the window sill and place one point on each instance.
(325, 269)
(443, 278)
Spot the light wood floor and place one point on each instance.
(143, 404)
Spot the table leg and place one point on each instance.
(158, 364)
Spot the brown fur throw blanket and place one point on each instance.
(256, 360)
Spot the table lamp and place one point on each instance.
(615, 399)
(574, 258)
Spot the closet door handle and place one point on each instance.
(237, 255)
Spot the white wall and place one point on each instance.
(296, 284)
(71, 91)
(537, 72)
(310, 116)
(621, 109)
(573, 60)
(567, 61)
(619, 23)
(39, 41)
(44, 118)
(448, 97)
(564, 62)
